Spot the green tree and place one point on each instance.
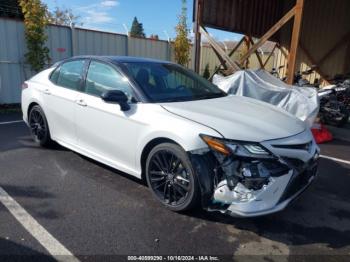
(137, 29)
(35, 22)
(206, 73)
(182, 43)
(63, 17)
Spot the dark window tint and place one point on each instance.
(172, 83)
(70, 74)
(54, 75)
(102, 77)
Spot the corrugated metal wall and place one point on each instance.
(148, 48)
(11, 59)
(90, 42)
(324, 24)
(13, 71)
(250, 17)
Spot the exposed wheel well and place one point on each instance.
(147, 149)
(31, 105)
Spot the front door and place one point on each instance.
(103, 130)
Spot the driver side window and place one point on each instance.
(102, 77)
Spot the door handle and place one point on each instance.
(47, 91)
(81, 102)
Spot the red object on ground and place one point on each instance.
(321, 134)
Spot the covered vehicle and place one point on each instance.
(301, 102)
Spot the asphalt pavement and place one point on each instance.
(98, 213)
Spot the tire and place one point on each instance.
(171, 177)
(39, 127)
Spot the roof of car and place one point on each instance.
(124, 59)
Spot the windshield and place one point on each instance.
(163, 82)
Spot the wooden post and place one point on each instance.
(295, 41)
(197, 36)
(247, 42)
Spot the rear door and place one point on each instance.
(62, 97)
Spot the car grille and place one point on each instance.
(299, 181)
(305, 146)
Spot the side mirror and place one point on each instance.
(118, 97)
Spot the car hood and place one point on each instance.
(239, 118)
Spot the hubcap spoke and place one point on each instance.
(159, 185)
(37, 125)
(182, 179)
(169, 178)
(157, 173)
(157, 179)
(179, 190)
(158, 163)
(182, 186)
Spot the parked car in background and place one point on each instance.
(191, 142)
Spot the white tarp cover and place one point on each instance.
(301, 102)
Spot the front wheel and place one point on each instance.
(39, 127)
(171, 178)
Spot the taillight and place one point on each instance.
(24, 85)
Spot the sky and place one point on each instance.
(157, 16)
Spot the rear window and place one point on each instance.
(69, 74)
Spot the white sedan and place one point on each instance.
(158, 121)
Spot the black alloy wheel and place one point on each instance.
(39, 127)
(171, 178)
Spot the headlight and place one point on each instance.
(236, 148)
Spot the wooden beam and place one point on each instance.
(230, 64)
(268, 58)
(230, 54)
(269, 33)
(299, 6)
(197, 36)
(257, 54)
(236, 47)
(222, 61)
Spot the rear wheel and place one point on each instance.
(171, 178)
(39, 127)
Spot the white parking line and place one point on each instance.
(51, 244)
(336, 159)
(11, 122)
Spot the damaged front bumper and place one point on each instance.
(268, 186)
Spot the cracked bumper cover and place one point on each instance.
(272, 197)
(265, 204)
